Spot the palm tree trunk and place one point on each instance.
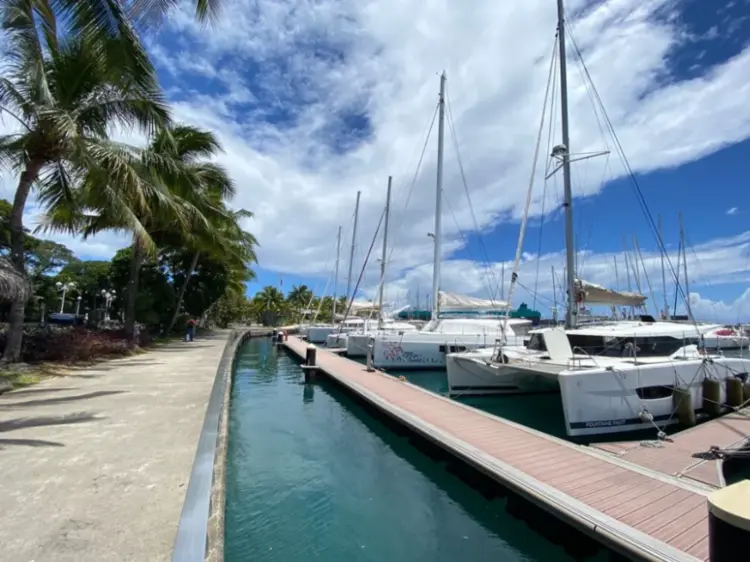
(18, 304)
(135, 269)
(178, 304)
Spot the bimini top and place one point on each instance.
(455, 302)
(596, 294)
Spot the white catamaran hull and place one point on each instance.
(598, 401)
(472, 374)
(429, 351)
(337, 340)
(356, 345)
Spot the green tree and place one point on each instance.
(179, 195)
(224, 242)
(64, 94)
(270, 298)
(230, 308)
(152, 306)
(299, 299)
(91, 277)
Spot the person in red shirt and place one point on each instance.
(190, 335)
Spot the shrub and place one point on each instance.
(72, 344)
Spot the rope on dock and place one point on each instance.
(717, 453)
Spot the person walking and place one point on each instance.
(190, 335)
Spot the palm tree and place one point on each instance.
(13, 285)
(270, 298)
(299, 297)
(182, 197)
(227, 243)
(64, 94)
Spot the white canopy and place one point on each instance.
(454, 301)
(363, 305)
(596, 294)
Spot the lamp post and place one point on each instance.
(109, 296)
(64, 287)
(78, 304)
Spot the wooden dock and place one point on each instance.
(675, 456)
(643, 502)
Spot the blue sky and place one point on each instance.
(315, 100)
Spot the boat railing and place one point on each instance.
(577, 362)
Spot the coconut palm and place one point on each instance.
(227, 243)
(13, 285)
(181, 196)
(270, 298)
(299, 297)
(63, 95)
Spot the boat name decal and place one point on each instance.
(393, 351)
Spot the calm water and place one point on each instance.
(311, 475)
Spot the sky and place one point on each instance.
(316, 100)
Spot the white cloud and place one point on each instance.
(710, 265)
(733, 211)
(496, 57)
(311, 62)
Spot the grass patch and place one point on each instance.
(21, 380)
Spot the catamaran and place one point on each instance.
(600, 393)
(462, 325)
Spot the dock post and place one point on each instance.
(729, 522)
(369, 357)
(279, 338)
(311, 360)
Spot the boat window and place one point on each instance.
(452, 348)
(654, 392)
(623, 347)
(536, 343)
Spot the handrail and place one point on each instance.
(191, 541)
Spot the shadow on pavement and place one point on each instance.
(7, 404)
(41, 421)
(5, 443)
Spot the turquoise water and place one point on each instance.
(312, 475)
(542, 412)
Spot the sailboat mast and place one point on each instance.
(336, 274)
(684, 264)
(570, 312)
(382, 261)
(438, 202)
(554, 297)
(662, 249)
(351, 255)
(502, 282)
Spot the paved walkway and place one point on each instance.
(94, 466)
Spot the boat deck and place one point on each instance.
(635, 509)
(675, 456)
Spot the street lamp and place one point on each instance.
(78, 304)
(64, 287)
(109, 296)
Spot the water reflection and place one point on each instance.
(308, 393)
(326, 480)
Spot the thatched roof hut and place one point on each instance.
(13, 285)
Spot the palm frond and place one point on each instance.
(14, 286)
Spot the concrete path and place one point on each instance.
(94, 466)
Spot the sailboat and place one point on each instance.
(357, 342)
(600, 393)
(319, 333)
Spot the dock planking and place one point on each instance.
(633, 509)
(675, 456)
